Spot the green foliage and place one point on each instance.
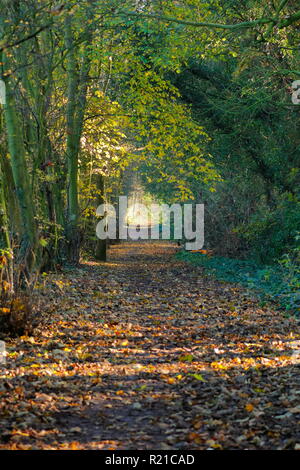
(279, 283)
(172, 142)
(244, 105)
(272, 233)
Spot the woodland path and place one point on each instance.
(144, 352)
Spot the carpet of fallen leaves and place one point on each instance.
(144, 352)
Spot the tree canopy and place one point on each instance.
(194, 95)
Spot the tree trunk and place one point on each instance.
(101, 245)
(77, 91)
(29, 241)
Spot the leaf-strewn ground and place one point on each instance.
(143, 352)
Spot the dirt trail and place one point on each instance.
(143, 352)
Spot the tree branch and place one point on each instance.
(26, 38)
(246, 24)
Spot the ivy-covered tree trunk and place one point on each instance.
(6, 262)
(72, 154)
(12, 207)
(77, 91)
(4, 230)
(29, 237)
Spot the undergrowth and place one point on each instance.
(278, 283)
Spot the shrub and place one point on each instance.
(272, 234)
